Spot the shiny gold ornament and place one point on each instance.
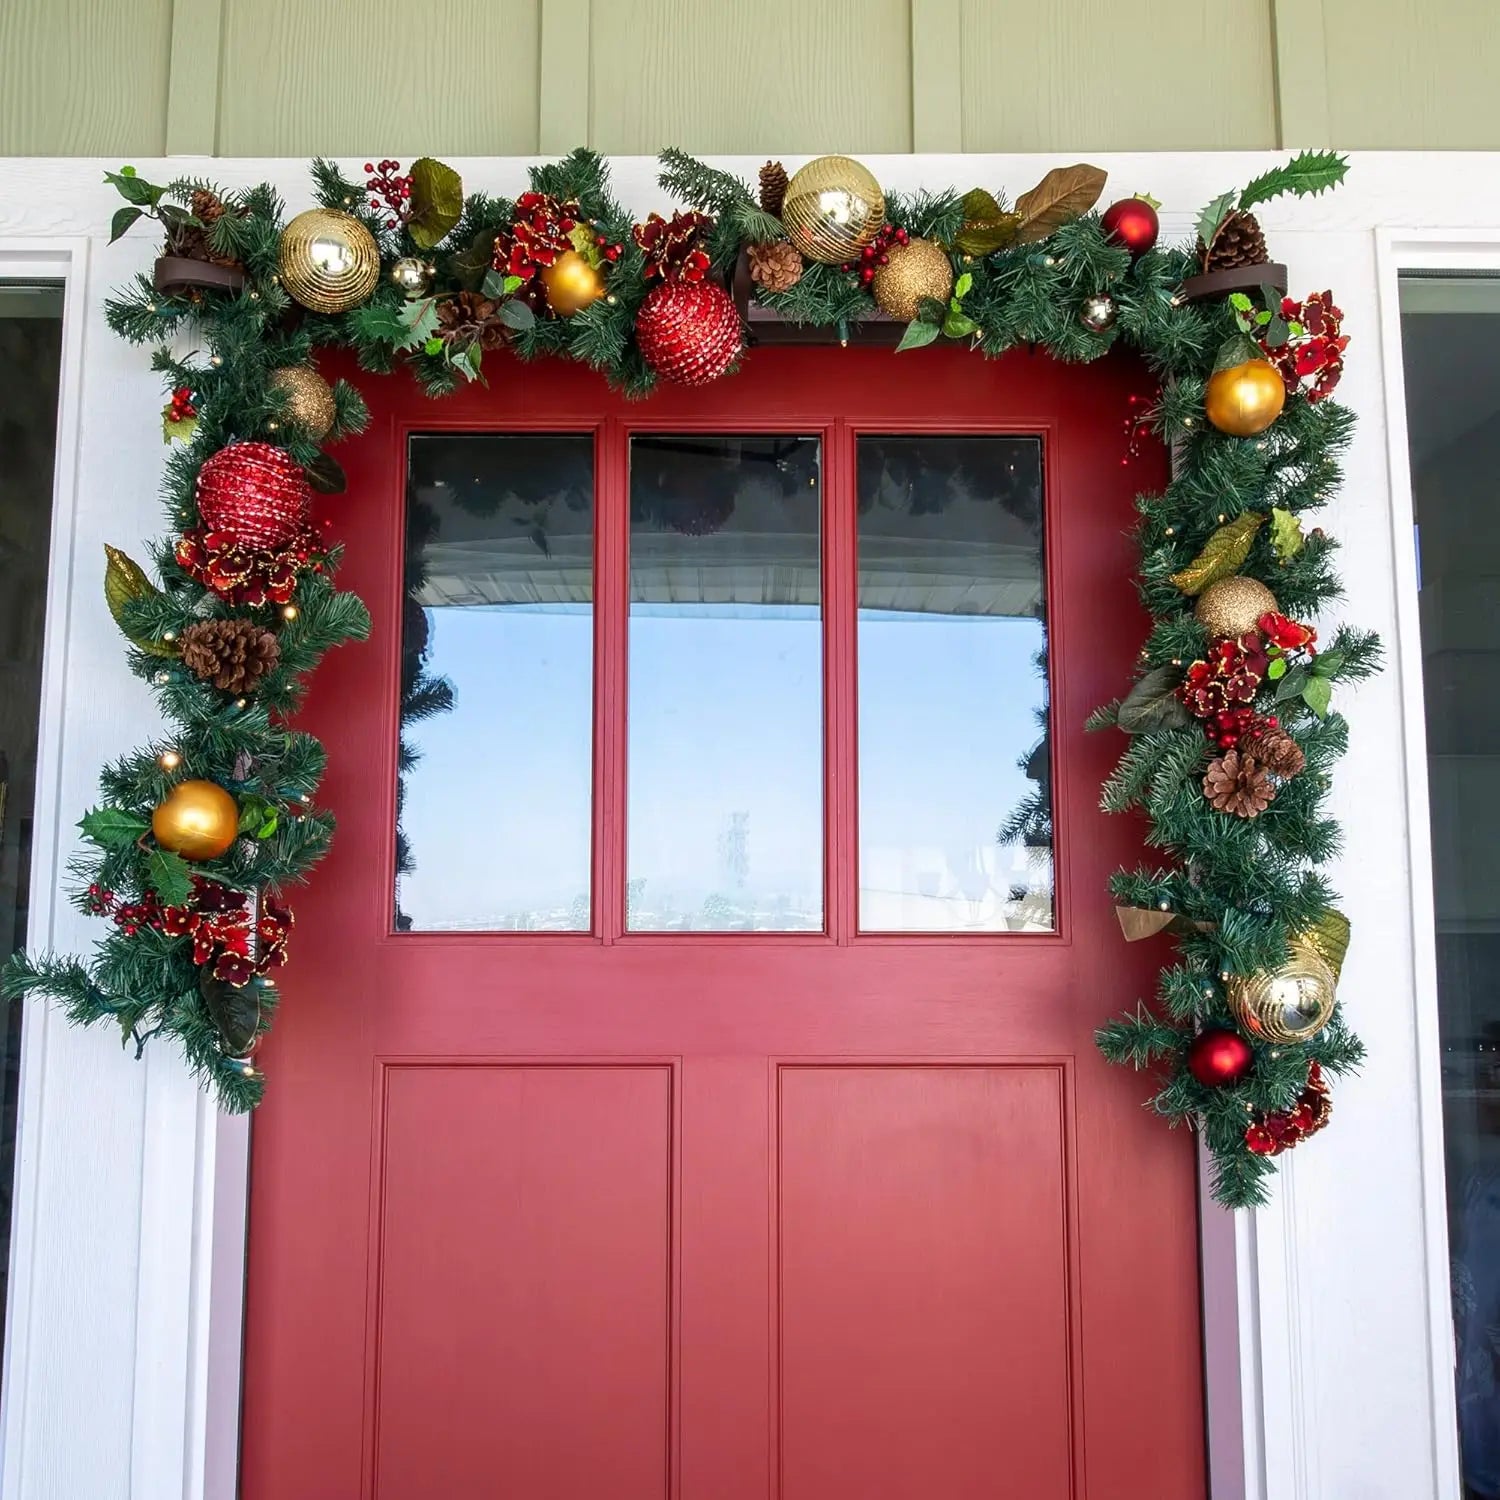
(309, 399)
(413, 276)
(1245, 398)
(919, 268)
(198, 820)
(1098, 312)
(1292, 1003)
(1233, 605)
(833, 208)
(570, 284)
(328, 260)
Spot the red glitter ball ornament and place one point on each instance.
(1216, 1057)
(254, 494)
(1132, 222)
(689, 331)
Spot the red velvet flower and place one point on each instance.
(674, 247)
(538, 234)
(1231, 676)
(1279, 1130)
(1289, 635)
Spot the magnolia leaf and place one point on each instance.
(1329, 938)
(517, 315)
(1317, 694)
(1064, 194)
(169, 876)
(917, 334)
(1213, 216)
(1307, 174)
(234, 1009)
(325, 475)
(112, 827)
(469, 265)
(419, 322)
(1153, 704)
(123, 219)
(181, 430)
(1223, 553)
(987, 227)
(125, 581)
(1286, 533)
(958, 325)
(437, 201)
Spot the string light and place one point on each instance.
(169, 760)
(288, 611)
(169, 635)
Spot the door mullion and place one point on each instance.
(611, 649)
(840, 706)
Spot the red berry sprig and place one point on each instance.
(388, 188)
(129, 916)
(876, 253)
(182, 407)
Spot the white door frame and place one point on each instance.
(1329, 1349)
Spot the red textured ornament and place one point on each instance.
(1131, 222)
(254, 494)
(689, 331)
(1216, 1057)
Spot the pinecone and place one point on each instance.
(777, 267)
(207, 206)
(1238, 784)
(195, 242)
(773, 181)
(1275, 749)
(468, 317)
(232, 654)
(1239, 242)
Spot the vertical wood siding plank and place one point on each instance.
(564, 81)
(193, 78)
(1298, 27)
(937, 120)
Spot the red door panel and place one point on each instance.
(724, 1216)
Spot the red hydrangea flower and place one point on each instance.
(1231, 676)
(1317, 353)
(674, 247)
(1289, 635)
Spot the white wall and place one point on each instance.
(130, 1192)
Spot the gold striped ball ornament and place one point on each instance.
(1234, 605)
(1289, 1004)
(833, 208)
(308, 397)
(913, 271)
(328, 260)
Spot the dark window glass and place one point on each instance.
(955, 810)
(1450, 336)
(725, 815)
(494, 823)
(30, 355)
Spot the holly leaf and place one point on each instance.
(1153, 704)
(419, 322)
(1305, 175)
(379, 323)
(1213, 216)
(181, 430)
(1317, 694)
(582, 238)
(111, 827)
(169, 876)
(1286, 533)
(917, 335)
(987, 227)
(515, 314)
(1223, 554)
(437, 201)
(123, 219)
(1064, 194)
(1240, 302)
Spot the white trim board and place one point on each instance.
(1329, 1351)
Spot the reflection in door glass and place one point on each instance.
(725, 758)
(493, 819)
(1450, 337)
(955, 801)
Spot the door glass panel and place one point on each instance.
(955, 810)
(493, 820)
(725, 756)
(1450, 338)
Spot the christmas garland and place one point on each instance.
(1232, 734)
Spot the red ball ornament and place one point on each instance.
(254, 493)
(1216, 1057)
(689, 331)
(1132, 222)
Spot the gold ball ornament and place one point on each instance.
(1289, 1004)
(570, 284)
(1233, 605)
(309, 399)
(833, 208)
(1245, 399)
(328, 260)
(198, 820)
(413, 276)
(919, 268)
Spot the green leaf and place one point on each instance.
(1277, 668)
(917, 335)
(1317, 694)
(437, 201)
(183, 430)
(252, 810)
(1277, 330)
(134, 189)
(433, 346)
(493, 286)
(958, 325)
(123, 219)
(1328, 664)
(963, 285)
(1309, 173)
(516, 315)
(112, 827)
(380, 323)
(1240, 302)
(987, 227)
(1153, 704)
(169, 876)
(1292, 685)
(1236, 350)
(1223, 553)
(1286, 533)
(268, 824)
(513, 284)
(1212, 216)
(419, 321)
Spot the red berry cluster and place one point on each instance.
(876, 253)
(389, 190)
(1279, 1130)
(182, 405)
(1137, 425)
(129, 916)
(1230, 725)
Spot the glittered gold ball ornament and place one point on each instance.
(413, 275)
(309, 399)
(1245, 399)
(919, 268)
(328, 260)
(570, 284)
(1234, 605)
(198, 820)
(1289, 1004)
(833, 208)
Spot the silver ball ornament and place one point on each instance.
(413, 276)
(1098, 313)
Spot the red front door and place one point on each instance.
(709, 1107)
